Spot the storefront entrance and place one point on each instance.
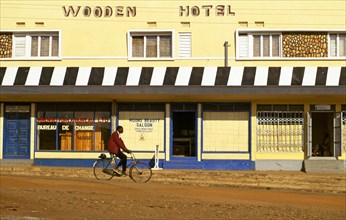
(17, 132)
(324, 134)
(184, 134)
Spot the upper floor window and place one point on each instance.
(337, 46)
(36, 44)
(30, 45)
(258, 45)
(267, 45)
(150, 45)
(271, 44)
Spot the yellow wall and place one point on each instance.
(102, 41)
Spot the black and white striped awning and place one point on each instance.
(116, 81)
(173, 76)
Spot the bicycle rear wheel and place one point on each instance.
(140, 172)
(103, 169)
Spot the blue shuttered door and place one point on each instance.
(17, 134)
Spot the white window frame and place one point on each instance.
(337, 45)
(251, 32)
(28, 34)
(145, 33)
(251, 37)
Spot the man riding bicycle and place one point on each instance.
(114, 145)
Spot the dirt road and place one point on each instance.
(57, 198)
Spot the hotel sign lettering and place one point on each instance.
(131, 11)
(207, 10)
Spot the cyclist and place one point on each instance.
(114, 145)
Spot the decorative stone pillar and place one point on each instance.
(5, 45)
(305, 44)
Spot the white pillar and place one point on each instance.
(168, 131)
(199, 132)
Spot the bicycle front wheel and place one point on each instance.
(140, 172)
(103, 169)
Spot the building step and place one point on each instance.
(16, 162)
(325, 165)
(182, 163)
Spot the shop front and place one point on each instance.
(226, 118)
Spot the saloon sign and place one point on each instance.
(131, 11)
(143, 124)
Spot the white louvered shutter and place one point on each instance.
(20, 46)
(184, 44)
(243, 45)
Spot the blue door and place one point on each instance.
(17, 132)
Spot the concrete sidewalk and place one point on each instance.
(274, 180)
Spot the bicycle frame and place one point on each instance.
(132, 157)
(138, 171)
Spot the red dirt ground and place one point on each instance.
(58, 198)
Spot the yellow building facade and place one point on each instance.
(240, 85)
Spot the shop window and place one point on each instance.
(73, 127)
(268, 107)
(183, 106)
(40, 45)
(226, 127)
(144, 125)
(141, 107)
(225, 131)
(65, 130)
(226, 107)
(280, 129)
(150, 45)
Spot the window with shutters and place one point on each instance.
(258, 45)
(287, 44)
(150, 45)
(38, 45)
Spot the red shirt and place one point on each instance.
(115, 142)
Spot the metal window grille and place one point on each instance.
(280, 131)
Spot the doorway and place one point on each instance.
(184, 134)
(17, 132)
(322, 131)
(322, 134)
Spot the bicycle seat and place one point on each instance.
(103, 156)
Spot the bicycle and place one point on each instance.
(138, 171)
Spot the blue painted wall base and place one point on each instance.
(182, 164)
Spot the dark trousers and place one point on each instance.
(123, 160)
